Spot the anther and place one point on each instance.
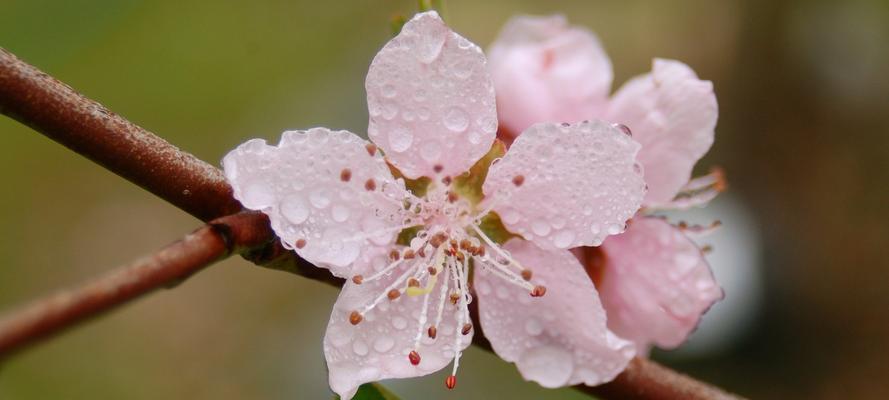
(300, 243)
(455, 297)
(432, 332)
(422, 252)
(526, 274)
(452, 197)
(466, 329)
(518, 180)
(432, 271)
(707, 249)
(465, 244)
(355, 318)
(393, 294)
(370, 185)
(538, 291)
(357, 279)
(460, 256)
(414, 357)
(481, 251)
(394, 255)
(346, 175)
(437, 168)
(371, 149)
(451, 381)
(438, 239)
(413, 282)
(453, 243)
(446, 180)
(409, 254)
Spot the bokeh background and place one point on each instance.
(803, 134)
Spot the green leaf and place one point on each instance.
(493, 228)
(373, 391)
(469, 185)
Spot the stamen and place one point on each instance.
(371, 149)
(466, 329)
(355, 318)
(432, 332)
(413, 282)
(300, 243)
(422, 322)
(518, 180)
(437, 168)
(414, 357)
(382, 272)
(538, 291)
(387, 291)
(451, 381)
(346, 175)
(357, 279)
(447, 180)
(394, 255)
(393, 294)
(370, 185)
(408, 254)
(526, 274)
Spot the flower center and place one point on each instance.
(437, 265)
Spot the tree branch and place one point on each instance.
(85, 126)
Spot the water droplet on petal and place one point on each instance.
(384, 344)
(388, 90)
(540, 228)
(430, 150)
(359, 347)
(563, 239)
(340, 213)
(399, 323)
(400, 139)
(533, 327)
(319, 198)
(294, 208)
(456, 119)
(549, 365)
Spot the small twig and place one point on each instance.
(172, 264)
(54, 109)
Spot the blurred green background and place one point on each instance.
(803, 134)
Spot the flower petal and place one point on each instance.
(545, 70)
(556, 340)
(314, 187)
(673, 115)
(656, 284)
(431, 100)
(378, 347)
(564, 186)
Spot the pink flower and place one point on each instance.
(654, 281)
(409, 246)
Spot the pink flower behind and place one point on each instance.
(654, 283)
(407, 245)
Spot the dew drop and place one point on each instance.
(339, 213)
(533, 327)
(540, 228)
(456, 119)
(319, 198)
(399, 323)
(430, 151)
(384, 344)
(548, 365)
(388, 91)
(294, 209)
(359, 347)
(400, 139)
(563, 239)
(613, 229)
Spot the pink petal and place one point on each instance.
(656, 284)
(300, 185)
(431, 100)
(579, 184)
(672, 114)
(378, 347)
(545, 70)
(556, 340)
